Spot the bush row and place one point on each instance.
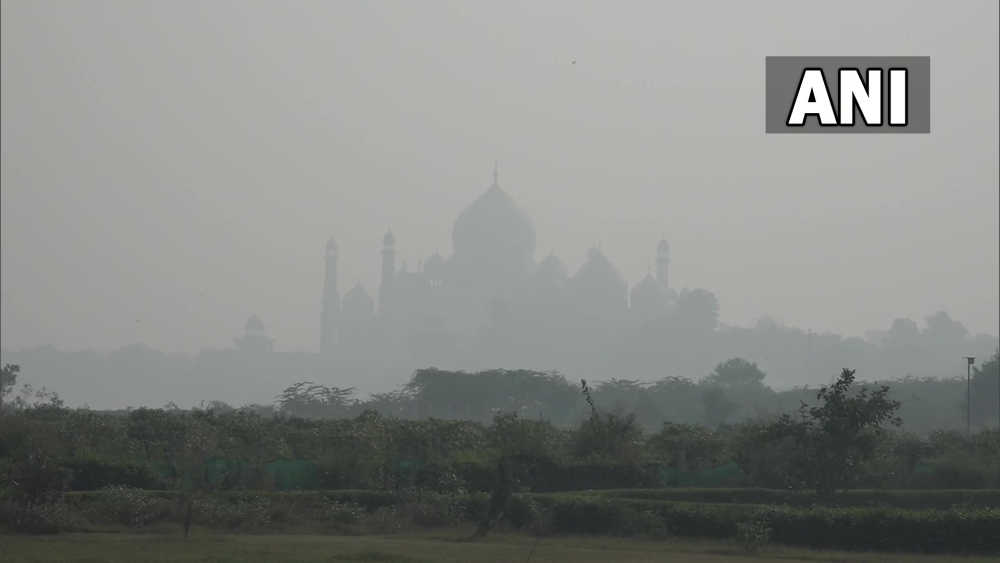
(540, 475)
(875, 529)
(956, 530)
(350, 512)
(544, 475)
(535, 474)
(918, 499)
(94, 474)
(911, 500)
(369, 500)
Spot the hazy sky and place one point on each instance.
(153, 152)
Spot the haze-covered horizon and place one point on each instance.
(873, 337)
(170, 169)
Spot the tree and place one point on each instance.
(678, 398)
(836, 439)
(608, 434)
(697, 310)
(648, 412)
(8, 377)
(737, 373)
(718, 408)
(511, 436)
(986, 391)
(307, 399)
(944, 332)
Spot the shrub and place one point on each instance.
(522, 511)
(915, 499)
(343, 513)
(128, 507)
(876, 529)
(92, 474)
(246, 513)
(33, 517)
(752, 535)
(36, 476)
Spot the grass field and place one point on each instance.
(447, 546)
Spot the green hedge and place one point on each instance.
(875, 529)
(974, 530)
(371, 500)
(544, 475)
(537, 474)
(916, 499)
(92, 474)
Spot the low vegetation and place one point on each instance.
(829, 476)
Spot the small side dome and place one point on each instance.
(358, 301)
(552, 267)
(599, 280)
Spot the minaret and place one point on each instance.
(662, 262)
(385, 290)
(330, 315)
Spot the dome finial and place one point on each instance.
(496, 174)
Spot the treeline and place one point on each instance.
(845, 439)
(684, 345)
(735, 391)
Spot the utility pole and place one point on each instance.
(968, 394)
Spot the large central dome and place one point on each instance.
(494, 228)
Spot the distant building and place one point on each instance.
(254, 339)
(489, 303)
(491, 282)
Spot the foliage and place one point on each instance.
(8, 378)
(738, 374)
(753, 534)
(607, 434)
(985, 392)
(718, 408)
(904, 499)
(33, 517)
(838, 437)
(94, 474)
(35, 476)
(127, 506)
(205, 450)
(690, 447)
(952, 530)
(42, 399)
(479, 395)
(308, 399)
(512, 436)
(876, 529)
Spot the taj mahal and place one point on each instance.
(489, 304)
